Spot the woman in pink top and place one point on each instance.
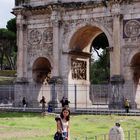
(63, 123)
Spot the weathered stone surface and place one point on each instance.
(50, 31)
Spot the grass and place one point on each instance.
(6, 80)
(7, 77)
(32, 126)
(10, 73)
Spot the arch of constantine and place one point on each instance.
(54, 40)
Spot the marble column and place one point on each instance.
(115, 54)
(56, 61)
(56, 44)
(20, 55)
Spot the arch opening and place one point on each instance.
(82, 44)
(135, 65)
(100, 60)
(87, 41)
(41, 70)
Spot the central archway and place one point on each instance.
(81, 45)
(80, 50)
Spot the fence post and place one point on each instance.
(75, 96)
(95, 137)
(136, 136)
(129, 135)
(105, 137)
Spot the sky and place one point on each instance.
(6, 7)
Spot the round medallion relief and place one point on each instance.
(132, 28)
(35, 37)
(48, 35)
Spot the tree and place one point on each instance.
(100, 68)
(7, 47)
(11, 25)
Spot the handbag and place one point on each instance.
(58, 136)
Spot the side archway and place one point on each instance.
(41, 70)
(135, 65)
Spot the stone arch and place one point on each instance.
(135, 66)
(83, 38)
(80, 49)
(133, 53)
(100, 26)
(41, 70)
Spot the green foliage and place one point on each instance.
(8, 46)
(100, 69)
(11, 25)
(6, 34)
(10, 73)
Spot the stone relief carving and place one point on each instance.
(78, 69)
(126, 53)
(132, 28)
(48, 35)
(106, 22)
(34, 37)
(48, 48)
(42, 49)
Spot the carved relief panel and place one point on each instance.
(131, 30)
(79, 69)
(40, 42)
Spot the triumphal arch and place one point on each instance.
(54, 40)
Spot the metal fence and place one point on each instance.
(128, 135)
(80, 96)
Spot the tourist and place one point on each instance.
(63, 101)
(63, 124)
(67, 102)
(24, 103)
(126, 105)
(116, 132)
(43, 102)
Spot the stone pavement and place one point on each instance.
(94, 111)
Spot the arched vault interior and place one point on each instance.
(135, 64)
(82, 39)
(41, 70)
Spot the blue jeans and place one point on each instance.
(64, 135)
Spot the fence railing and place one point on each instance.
(128, 135)
(80, 96)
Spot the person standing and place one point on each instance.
(63, 101)
(126, 105)
(43, 102)
(63, 124)
(24, 103)
(67, 102)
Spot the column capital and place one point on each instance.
(115, 10)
